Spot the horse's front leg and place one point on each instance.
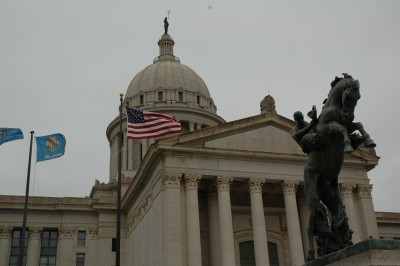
(368, 141)
(336, 127)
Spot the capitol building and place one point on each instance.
(219, 193)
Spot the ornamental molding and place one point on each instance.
(35, 233)
(140, 211)
(5, 231)
(67, 232)
(347, 189)
(171, 180)
(167, 180)
(192, 181)
(289, 187)
(93, 231)
(255, 184)
(364, 190)
(223, 183)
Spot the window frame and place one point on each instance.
(80, 259)
(81, 242)
(14, 246)
(48, 247)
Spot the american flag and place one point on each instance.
(147, 125)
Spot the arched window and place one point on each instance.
(247, 257)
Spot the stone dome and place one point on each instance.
(167, 87)
(167, 81)
(167, 74)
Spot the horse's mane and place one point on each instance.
(336, 81)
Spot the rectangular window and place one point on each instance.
(80, 259)
(48, 250)
(180, 96)
(247, 257)
(81, 241)
(141, 99)
(273, 254)
(198, 99)
(160, 96)
(14, 252)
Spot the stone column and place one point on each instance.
(193, 220)
(293, 224)
(213, 226)
(34, 244)
(145, 147)
(172, 218)
(116, 150)
(304, 216)
(258, 221)
(5, 244)
(367, 212)
(191, 126)
(66, 243)
(346, 191)
(225, 221)
(130, 153)
(124, 150)
(111, 158)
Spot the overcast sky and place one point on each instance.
(64, 63)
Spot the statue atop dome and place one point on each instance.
(166, 25)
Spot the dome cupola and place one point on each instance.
(169, 87)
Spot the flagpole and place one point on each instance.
(118, 238)
(22, 235)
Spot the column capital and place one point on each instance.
(364, 190)
(347, 189)
(171, 180)
(289, 187)
(255, 184)
(5, 231)
(192, 181)
(223, 183)
(35, 233)
(67, 232)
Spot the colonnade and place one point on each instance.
(66, 245)
(34, 244)
(220, 222)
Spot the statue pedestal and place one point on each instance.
(368, 252)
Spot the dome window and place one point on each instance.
(185, 126)
(198, 99)
(180, 96)
(141, 99)
(160, 96)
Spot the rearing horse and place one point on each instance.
(326, 142)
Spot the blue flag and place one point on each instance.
(50, 147)
(9, 134)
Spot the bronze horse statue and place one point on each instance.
(326, 139)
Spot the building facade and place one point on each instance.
(218, 194)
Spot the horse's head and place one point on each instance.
(350, 94)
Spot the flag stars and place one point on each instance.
(135, 116)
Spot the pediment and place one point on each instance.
(262, 133)
(268, 133)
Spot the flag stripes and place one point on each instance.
(145, 125)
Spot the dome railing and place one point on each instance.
(166, 57)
